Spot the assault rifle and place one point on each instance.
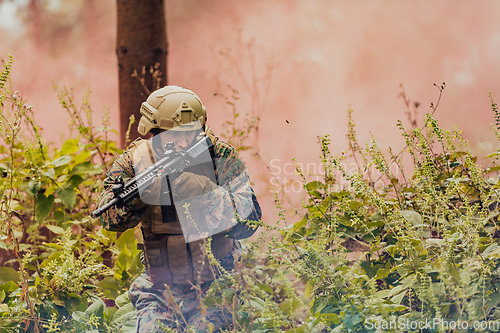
(173, 162)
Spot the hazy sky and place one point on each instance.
(297, 64)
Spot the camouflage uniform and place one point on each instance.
(155, 309)
(154, 306)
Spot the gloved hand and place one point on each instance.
(189, 185)
(151, 195)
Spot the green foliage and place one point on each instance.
(376, 244)
(61, 264)
(235, 135)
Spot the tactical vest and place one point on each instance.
(169, 259)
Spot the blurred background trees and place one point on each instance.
(141, 47)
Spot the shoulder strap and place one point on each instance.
(211, 135)
(142, 154)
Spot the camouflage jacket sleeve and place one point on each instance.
(125, 217)
(238, 196)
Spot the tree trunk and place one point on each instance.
(141, 41)
(36, 25)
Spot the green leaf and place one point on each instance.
(108, 283)
(309, 289)
(84, 304)
(69, 147)
(74, 180)
(85, 168)
(376, 217)
(495, 153)
(398, 298)
(123, 299)
(67, 196)
(435, 242)
(43, 206)
(5, 246)
(136, 266)
(351, 320)
(82, 157)
(34, 186)
(257, 303)
(266, 288)
(289, 306)
(330, 318)
(55, 229)
(454, 272)
(8, 274)
(489, 170)
(382, 273)
(412, 217)
(58, 301)
(24, 247)
(59, 216)
(109, 287)
(110, 313)
(79, 316)
(83, 129)
(63, 160)
(319, 304)
(122, 260)
(493, 301)
(130, 325)
(53, 245)
(102, 129)
(490, 248)
(395, 307)
(97, 308)
(396, 290)
(9, 287)
(126, 308)
(50, 173)
(315, 185)
(125, 319)
(127, 238)
(5, 308)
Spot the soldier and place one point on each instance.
(174, 216)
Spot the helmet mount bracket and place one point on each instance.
(184, 114)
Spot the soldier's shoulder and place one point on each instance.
(124, 162)
(128, 154)
(224, 150)
(134, 144)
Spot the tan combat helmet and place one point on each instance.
(172, 108)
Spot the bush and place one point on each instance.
(61, 261)
(428, 244)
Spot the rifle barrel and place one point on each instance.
(98, 212)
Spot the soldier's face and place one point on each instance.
(182, 140)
